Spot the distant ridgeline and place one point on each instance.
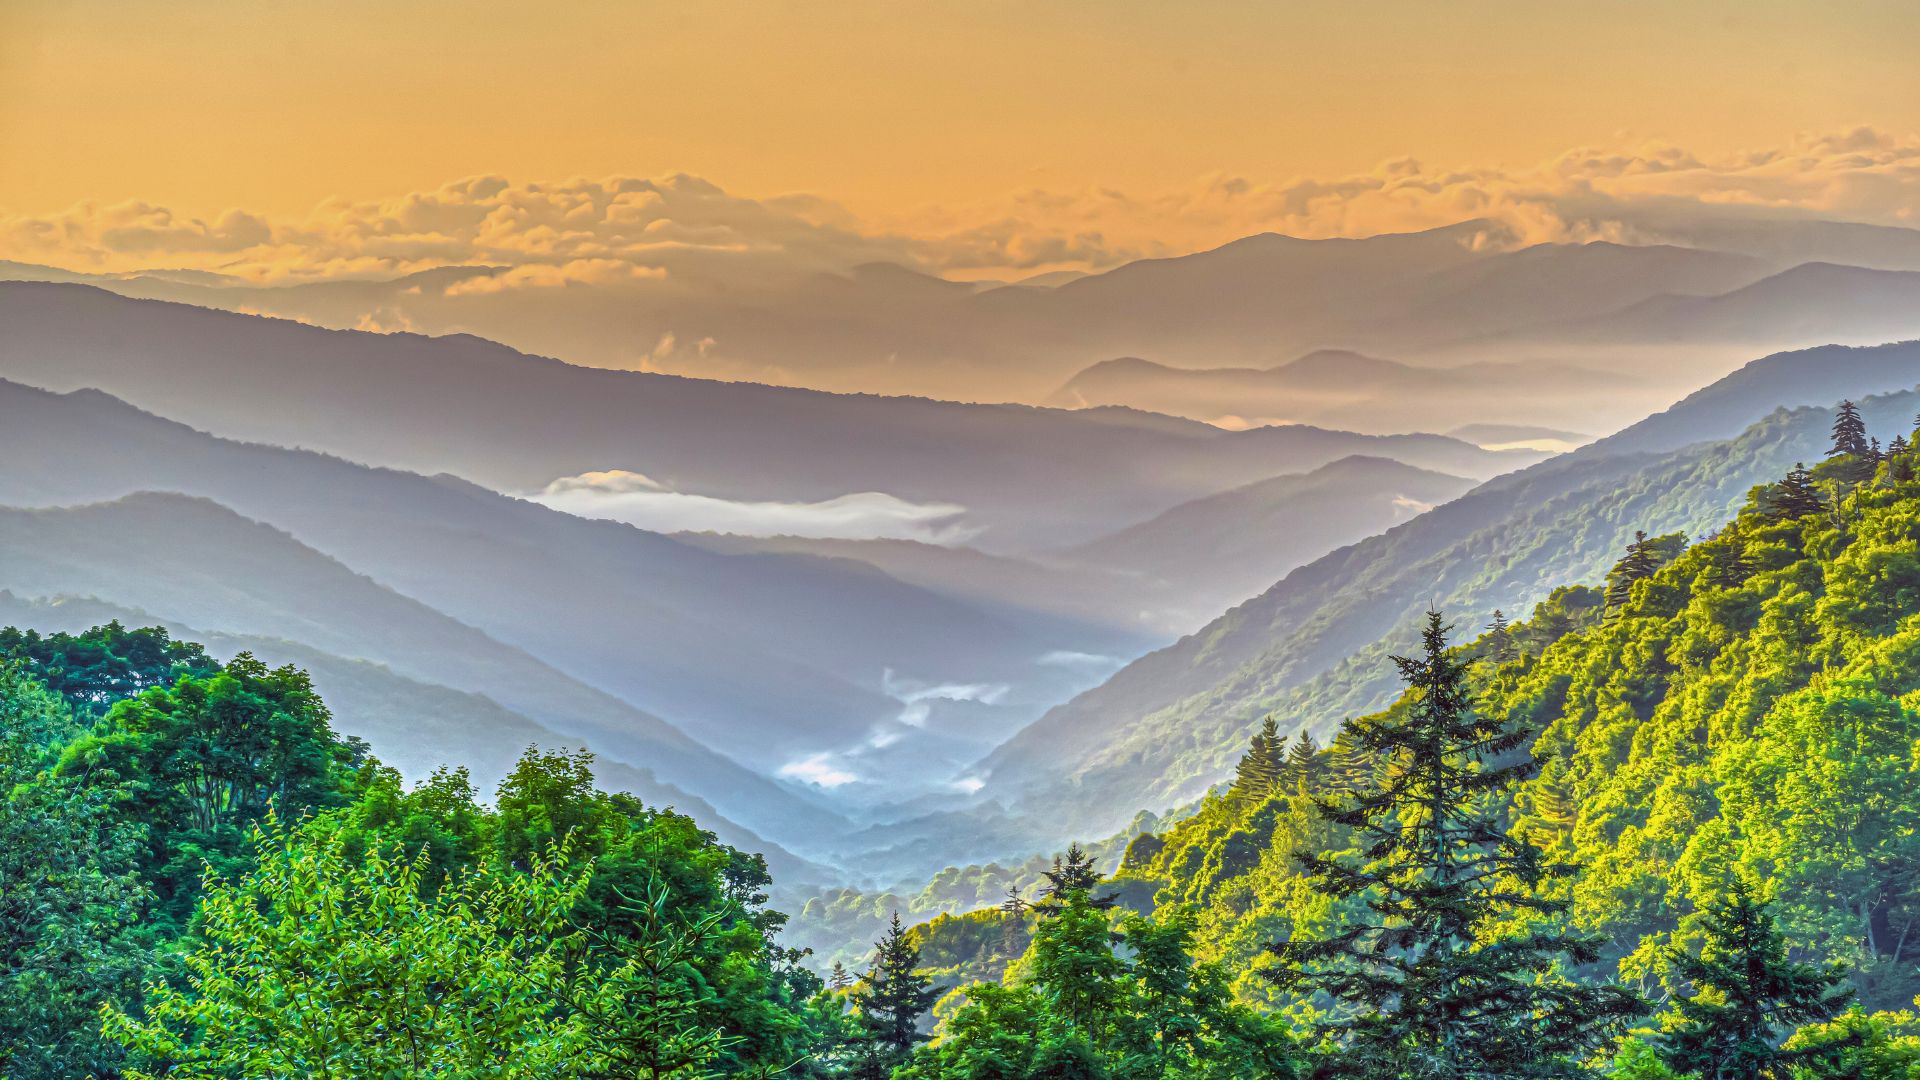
(1669, 825)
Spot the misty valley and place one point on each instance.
(1122, 542)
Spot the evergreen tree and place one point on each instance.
(1073, 963)
(1728, 564)
(839, 978)
(1302, 770)
(890, 1004)
(1849, 433)
(1794, 497)
(1013, 911)
(1500, 643)
(1425, 989)
(1748, 995)
(1073, 874)
(1640, 562)
(1899, 459)
(1260, 769)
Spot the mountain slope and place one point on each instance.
(1349, 390)
(772, 657)
(413, 726)
(1029, 477)
(1313, 648)
(1212, 553)
(194, 562)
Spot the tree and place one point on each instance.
(199, 763)
(1849, 433)
(1747, 994)
(1639, 563)
(1500, 644)
(107, 663)
(1072, 961)
(1794, 497)
(70, 900)
(1728, 564)
(317, 965)
(1899, 459)
(1259, 772)
(1302, 771)
(1427, 984)
(1074, 873)
(643, 1006)
(890, 1003)
(839, 978)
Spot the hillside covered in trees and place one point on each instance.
(1664, 826)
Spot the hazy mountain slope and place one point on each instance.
(1813, 302)
(1032, 477)
(765, 655)
(414, 726)
(1212, 553)
(1049, 592)
(192, 561)
(1349, 390)
(1311, 647)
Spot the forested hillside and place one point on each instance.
(1314, 647)
(1663, 827)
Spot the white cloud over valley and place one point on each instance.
(638, 500)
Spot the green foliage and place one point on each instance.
(315, 965)
(199, 764)
(70, 901)
(1427, 983)
(889, 1003)
(1745, 995)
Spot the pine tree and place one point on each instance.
(1849, 433)
(1728, 564)
(1302, 770)
(1639, 563)
(1748, 994)
(890, 1004)
(1899, 459)
(1073, 874)
(1794, 497)
(1013, 912)
(839, 978)
(1429, 995)
(1500, 644)
(1259, 771)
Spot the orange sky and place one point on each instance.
(889, 108)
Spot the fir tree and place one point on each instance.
(1899, 459)
(1639, 563)
(1849, 432)
(890, 1004)
(1794, 497)
(1426, 991)
(1073, 874)
(1013, 911)
(1260, 768)
(1500, 644)
(1728, 564)
(1748, 994)
(1302, 770)
(839, 978)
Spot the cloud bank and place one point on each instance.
(679, 230)
(638, 500)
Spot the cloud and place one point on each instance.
(817, 769)
(556, 275)
(686, 231)
(639, 500)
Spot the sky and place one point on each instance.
(1098, 130)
